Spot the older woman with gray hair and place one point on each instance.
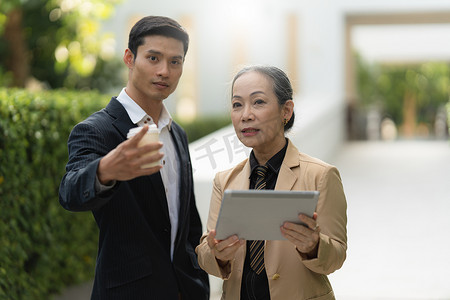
(295, 268)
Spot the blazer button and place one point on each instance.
(276, 276)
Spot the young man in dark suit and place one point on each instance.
(147, 217)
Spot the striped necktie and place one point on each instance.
(257, 247)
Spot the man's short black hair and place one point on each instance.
(156, 25)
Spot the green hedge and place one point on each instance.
(203, 126)
(448, 115)
(43, 247)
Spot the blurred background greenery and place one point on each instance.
(410, 96)
(50, 44)
(57, 44)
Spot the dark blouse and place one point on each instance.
(254, 286)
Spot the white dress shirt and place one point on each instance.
(170, 170)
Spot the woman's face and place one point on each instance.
(256, 115)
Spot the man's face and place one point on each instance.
(156, 70)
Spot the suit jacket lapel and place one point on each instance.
(286, 178)
(122, 121)
(123, 124)
(242, 180)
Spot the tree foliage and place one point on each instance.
(388, 85)
(57, 42)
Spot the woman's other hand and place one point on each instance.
(224, 250)
(305, 238)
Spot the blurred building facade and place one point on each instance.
(311, 41)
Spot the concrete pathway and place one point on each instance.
(398, 196)
(78, 292)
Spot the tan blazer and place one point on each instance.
(290, 275)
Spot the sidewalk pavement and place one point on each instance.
(398, 196)
(77, 292)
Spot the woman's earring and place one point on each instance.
(285, 121)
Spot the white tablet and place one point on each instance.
(259, 214)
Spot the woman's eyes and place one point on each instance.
(256, 102)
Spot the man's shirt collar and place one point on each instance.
(138, 115)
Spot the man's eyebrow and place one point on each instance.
(180, 57)
(151, 51)
(154, 52)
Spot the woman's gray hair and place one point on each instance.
(281, 85)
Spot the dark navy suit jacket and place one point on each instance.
(133, 260)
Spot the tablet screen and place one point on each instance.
(259, 214)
